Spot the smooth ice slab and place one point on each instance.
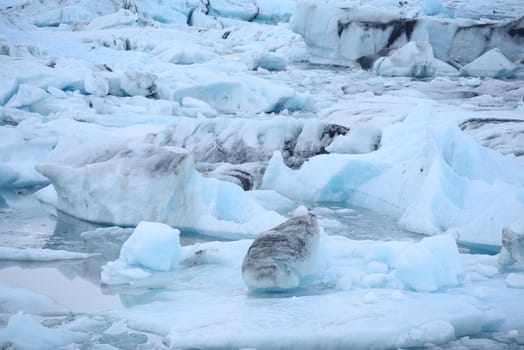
(281, 258)
(513, 245)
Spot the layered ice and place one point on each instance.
(124, 183)
(432, 180)
(283, 257)
(349, 35)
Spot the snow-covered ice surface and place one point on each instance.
(397, 125)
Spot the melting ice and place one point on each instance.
(261, 174)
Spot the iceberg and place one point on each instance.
(283, 257)
(151, 247)
(431, 181)
(411, 60)
(492, 64)
(427, 266)
(124, 183)
(341, 35)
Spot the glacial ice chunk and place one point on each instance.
(123, 184)
(426, 266)
(411, 60)
(245, 10)
(432, 180)
(152, 245)
(35, 254)
(492, 64)
(360, 139)
(281, 258)
(24, 332)
(266, 60)
(339, 34)
(433, 7)
(513, 244)
(235, 94)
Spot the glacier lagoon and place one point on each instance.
(217, 119)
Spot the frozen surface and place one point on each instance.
(224, 119)
(24, 332)
(32, 254)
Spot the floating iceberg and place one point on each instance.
(124, 184)
(347, 35)
(426, 266)
(151, 247)
(432, 181)
(283, 257)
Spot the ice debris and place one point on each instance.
(512, 251)
(151, 247)
(24, 332)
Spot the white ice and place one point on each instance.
(492, 64)
(34, 254)
(411, 60)
(178, 112)
(24, 332)
(432, 180)
(120, 184)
